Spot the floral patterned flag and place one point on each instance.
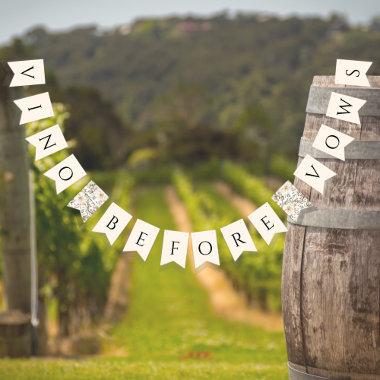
(88, 200)
(291, 200)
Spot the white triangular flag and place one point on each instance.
(238, 238)
(34, 107)
(113, 222)
(27, 73)
(266, 222)
(332, 142)
(174, 247)
(141, 238)
(292, 201)
(88, 200)
(66, 173)
(352, 72)
(48, 141)
(314, 173)
(205, 248)
(344, 107)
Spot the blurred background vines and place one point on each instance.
(198, 104)
(74, 275)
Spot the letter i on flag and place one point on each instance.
(141, 239)
(113, 222)
(266, 222)
(48, 141)
(35, 107)
(174, 247)
(238, 238)
(27, 73)
(205, 248)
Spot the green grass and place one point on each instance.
(256, 274)
(169, 331)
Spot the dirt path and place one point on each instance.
(243, 205)
(118, 295)
(225, 300)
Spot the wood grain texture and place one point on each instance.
(15, 334)
(331, 277)
(14, 203)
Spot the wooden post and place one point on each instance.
(14, 216)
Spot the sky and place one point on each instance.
(17, 16)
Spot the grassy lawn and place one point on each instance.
(169, 332)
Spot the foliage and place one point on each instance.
(242, 81)
(98, 131)
(257, 275)
(190, 89)
(71, 260)
(169, 332)
(282, 167)
(251, 187)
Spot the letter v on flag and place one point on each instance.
(314, 173)
(27, 73)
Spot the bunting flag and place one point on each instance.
(238, 238)
(291, 200)
(174, 247)
(314, 173)
(113, 222)
(344, 107)
(332, 142)
(205, 248)
(27, 73)
(88, 200)
(66, 173)
(48, 141)
(141, 239)
(35, 107)
(266, 222)
(352, 73)
(175, 243)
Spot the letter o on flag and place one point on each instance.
(331, 146)
(70, 175)
(200, 248)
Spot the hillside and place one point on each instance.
(248, 75)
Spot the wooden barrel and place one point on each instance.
(331, 264)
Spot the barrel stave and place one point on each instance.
(330, 287)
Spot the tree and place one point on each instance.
(15, 209)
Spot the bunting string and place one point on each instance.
(175, 243)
